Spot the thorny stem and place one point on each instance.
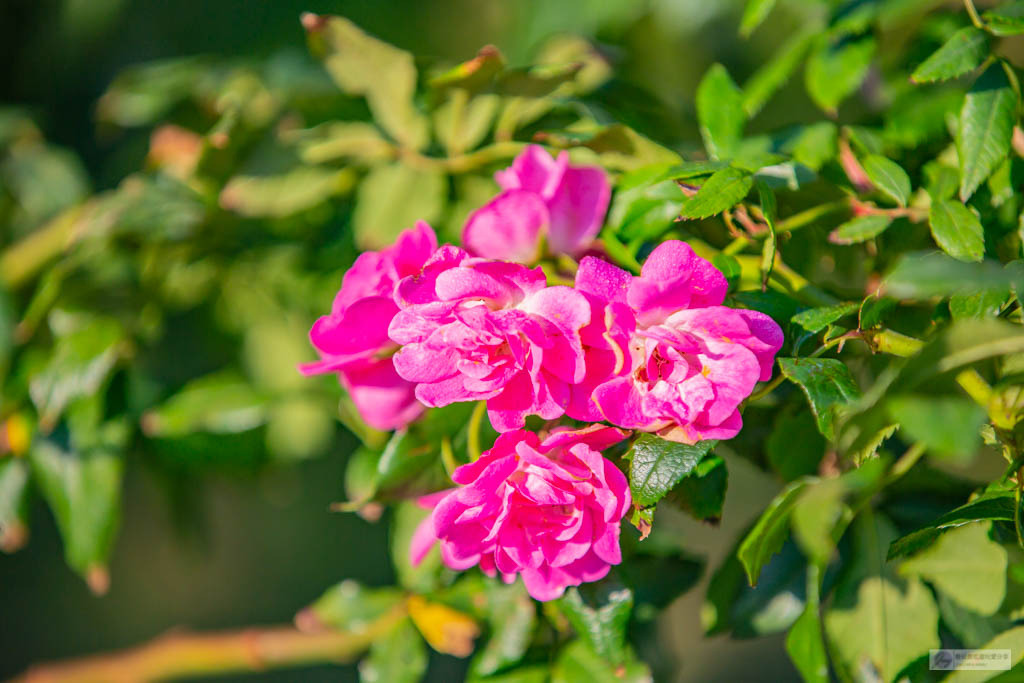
(179, 655)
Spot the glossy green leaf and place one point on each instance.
(399, 656)
(965, 564)
(889, 177)
(392, 198)
(995, 507)
(720, 113)
(964, 51)
(814, 320)
(861, 229)
(770, 531)
(84, 355)
(656, 466)
(986, 126)
(957, 230)
(826, 382)
(947, 425)
(835, 71)
(600, 619)
(363, 65)
(719, 193)
(889, 626)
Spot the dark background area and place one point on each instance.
(233, 548)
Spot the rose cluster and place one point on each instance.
(419, 324)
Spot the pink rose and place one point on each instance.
(692, 360)
(353, 340)
(472, 329)
(547, 510)
(542, 197)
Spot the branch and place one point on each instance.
(178, 655)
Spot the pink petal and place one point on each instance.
(534, 170)
(577, 209)
(509, 227)
(675, 278)
(605, 281)
(384, 400)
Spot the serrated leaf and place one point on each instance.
(835, 71)
(986, 128)
(363, 65)
(1006, 20)
(814, 320)
(753, 14)
(889, 177)
(601, 619)
(957, 230)
(964, 51)
(965, 564)
(720, 113)
(657, 465)
(947, 425)
(888, 626)
(860, 229)
(826, 382)
(392, 198)
(720, 192)
(770, 531)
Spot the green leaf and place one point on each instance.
(646, 202)
(888, 626)
(512, 616)
(472, 75)
(986, 127)
(657, 465)
(400, 656)
(805, 642)
(753, 14)
(349, 606)
(769, 532)
(338, 140)
(578, 662)
(81, 483)
(601, 619)
(702, 493)
(776, 72)
(947, 425)
(814, 320)
(860, 229)
(985, 304)
(720, 192)
(363, 65)
(463, 126)
(1007, 20)
(964, 51)
(84, 355)
(221, 403)
(965, 564)
(889, 177)
(957, 230)
(720, 113)
(815, 145)
(1012, 640)
(392, 198)
(827, 384)
(14, 503)
(971, 628)
(996, 507)
(272, 196)
(874, 310)
(922, 276)
(835, 71)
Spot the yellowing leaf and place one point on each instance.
(447, 630)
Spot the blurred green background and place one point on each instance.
(250, 544)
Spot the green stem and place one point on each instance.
(767, 388)
(906, 461)
(972, 11)
(20, 261)
(804, 218)
(473, 437)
